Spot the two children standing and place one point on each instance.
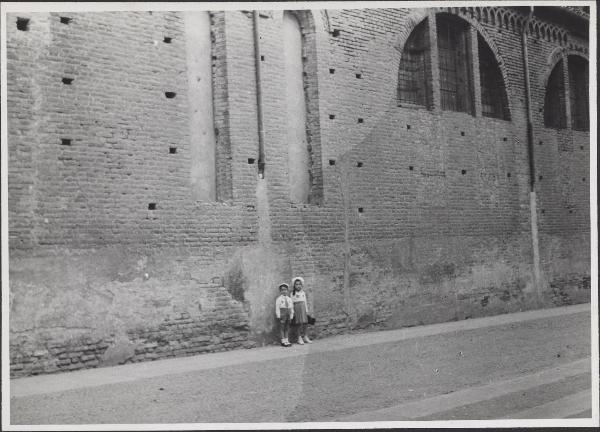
(292, 310)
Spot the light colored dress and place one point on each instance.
(300, 309)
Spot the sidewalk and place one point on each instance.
(46, 384)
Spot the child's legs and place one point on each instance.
(286, 326)
(282, 331)
(302, 330)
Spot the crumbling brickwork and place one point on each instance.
(417, 214)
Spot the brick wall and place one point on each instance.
(443, 230)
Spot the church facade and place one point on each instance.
(167, 170)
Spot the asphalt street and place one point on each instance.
(527, 365)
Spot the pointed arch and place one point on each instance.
(494, 100)
(414, 71)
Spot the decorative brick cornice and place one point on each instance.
(513, 20)
(578, 10)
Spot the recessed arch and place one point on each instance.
(578, 92)
(554, 99)
(302, 103)
(414, 70)
(494, 100)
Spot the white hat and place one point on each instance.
(297, 278)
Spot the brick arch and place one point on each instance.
(555, 56)
(412, 20)
(305, 18)
(490, 42)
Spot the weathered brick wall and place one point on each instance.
(443, 234)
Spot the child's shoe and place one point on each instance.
(286, 343)
(283, 343)
(300, 341)
(306, 339)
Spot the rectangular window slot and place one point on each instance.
(65, 141)
(540, 178)
(23, 24)
(250, 161)
(332, 162)
(331, 70)
(507, 174)
(359, 76)
(359, 164)
(67, 81)
(262, 58)
(504, 139)
(462, 133)
(152, 206)
(335, 33)
(167, 39)
(543, 211)
(407, 127)
(65, 20)
(463, 172)
(360, 120)
(170, 95)
(172, 150)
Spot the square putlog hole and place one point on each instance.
(359, 164)
(331, 162)
(251, 161)
(152, 206)
(331, 70)
(65, 20)
(361, 210)
(67, 81)
(170, 95)
(172, 150)
(167, 39)
(23, 24)
(65, 141)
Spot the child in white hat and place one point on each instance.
(300, 310)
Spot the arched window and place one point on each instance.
(298, 153)
(494, 102)
(454, 60)
(554, 102)
(414, 72)
(578, 93)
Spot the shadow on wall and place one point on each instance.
(252, 277)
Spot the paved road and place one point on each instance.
(529, 365)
